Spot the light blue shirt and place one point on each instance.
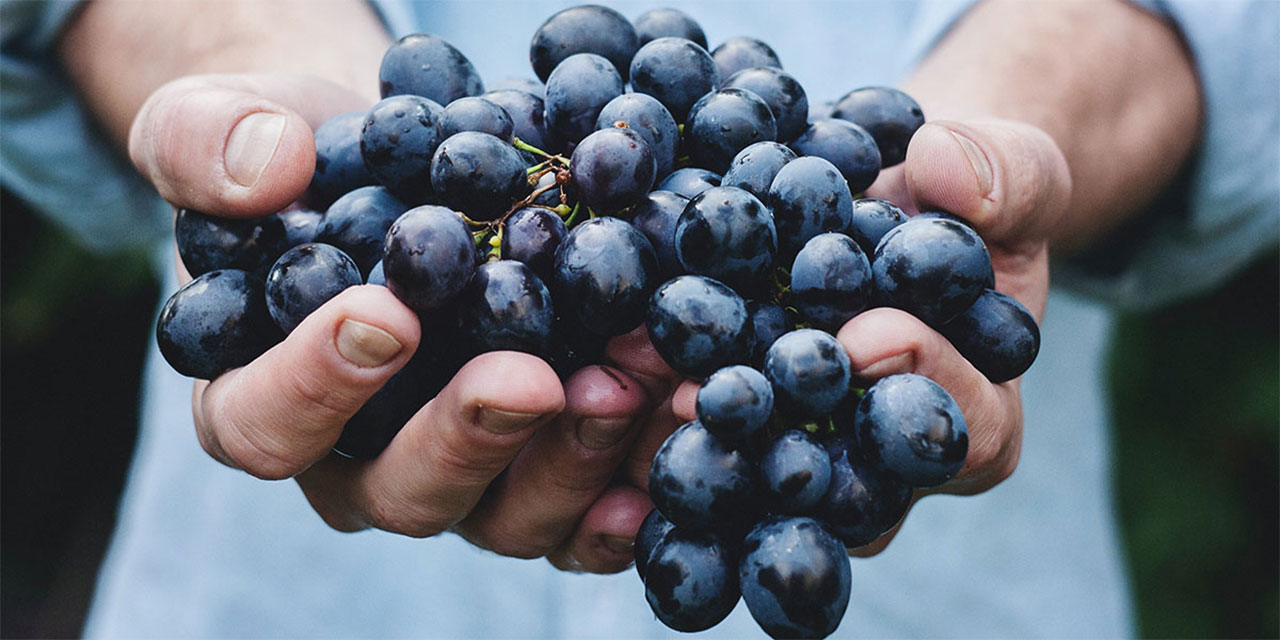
(205, 551)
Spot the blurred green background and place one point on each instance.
(1196, 387)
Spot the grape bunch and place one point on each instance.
(644, 180)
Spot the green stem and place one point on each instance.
(525, 146)
(573, 215)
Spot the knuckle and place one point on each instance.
(395, 517)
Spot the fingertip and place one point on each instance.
(684, 402)
(948, 170)
(507, 381)
(603, 391)
(604, 541)
(882, 341)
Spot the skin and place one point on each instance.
(1037, 148)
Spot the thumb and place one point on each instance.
(235, 145)
(1009, 179)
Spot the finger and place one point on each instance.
(882, 342)
(604, 542)
(660, 424)
(684, 402)
(438, 466)
(238, 145)
(282, 412)
(534, 506)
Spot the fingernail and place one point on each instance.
(251, 146)
(978, 161)
(504, 422)
(900, 363)
(602, 433)
(619, 544)
(365, 345)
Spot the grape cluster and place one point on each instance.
(649, 181)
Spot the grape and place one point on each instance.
(425, 65)
(794, 473)
(831, 281)
(698, 483)
(477, 174)
(689, 181)
(506, 306)
(676, 71)
(652, 530)
(300, 224)
(217, 322)
(655, 216)
(872, 218)
(725, 122)
(382, 416)
(377, 275)
(664, 23)
(429, 257)
(516, 83)
(532, 235)
(576, 92)
(739, 53)
(997, 335)
(339, 164)
(727, 234)
(808, 197)
(820, 110)
(795, 578)
(755, 167)
(692, 580)
(767, 322)
(306, 277)
(734, 404)
(697, 325)
(357, 223)
(208, 242)
(912, 428)
(782, 92)
(613, 169)
(400, 135)
(573, 347)
(583, 29)
(604, 272)
(476, 114)
(528, 117)
(810, 374)
(862, 502)
(932, 268)
(647, 117)
(889, 115)
(847, 146)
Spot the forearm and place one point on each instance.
(1111, 84)
(119, 51)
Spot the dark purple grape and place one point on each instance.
(576, 92)
(357, 223)
(376, 424)
(933, 268)
(612, 169)
(722, 123)
(795, 578)
(734, 404)
(997, 335)
(889, 115)
(655, 216)
(476, 114)
(208, 242)
(651, 532)
(727, 234)
(755, 167)
(304, 278)
(506, 306)
(862, 502)
(739, 53)
(692, 580)
(429, 257)
(795, 472)
(217, 322)
(689, 181)
(782, 92)
(583, 29)
(668, 23)
(912, 428)
(573, 347)
(604, 272)
(872, 218)
(831, 281)
(532, 235)
(425, 65)
(399, 137)
(700, 484)
(697, 325)
(300, 224)
(676, 71)
(847, 146)
(810, 374)
(647, 117)
(339, 164)
(820, 111)
(528, 117)
(808, 197)
(516, 83)
(767, 322)
(478, 174)
(377, 275)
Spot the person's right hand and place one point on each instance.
(241, 146)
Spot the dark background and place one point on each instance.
(1197, 392)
